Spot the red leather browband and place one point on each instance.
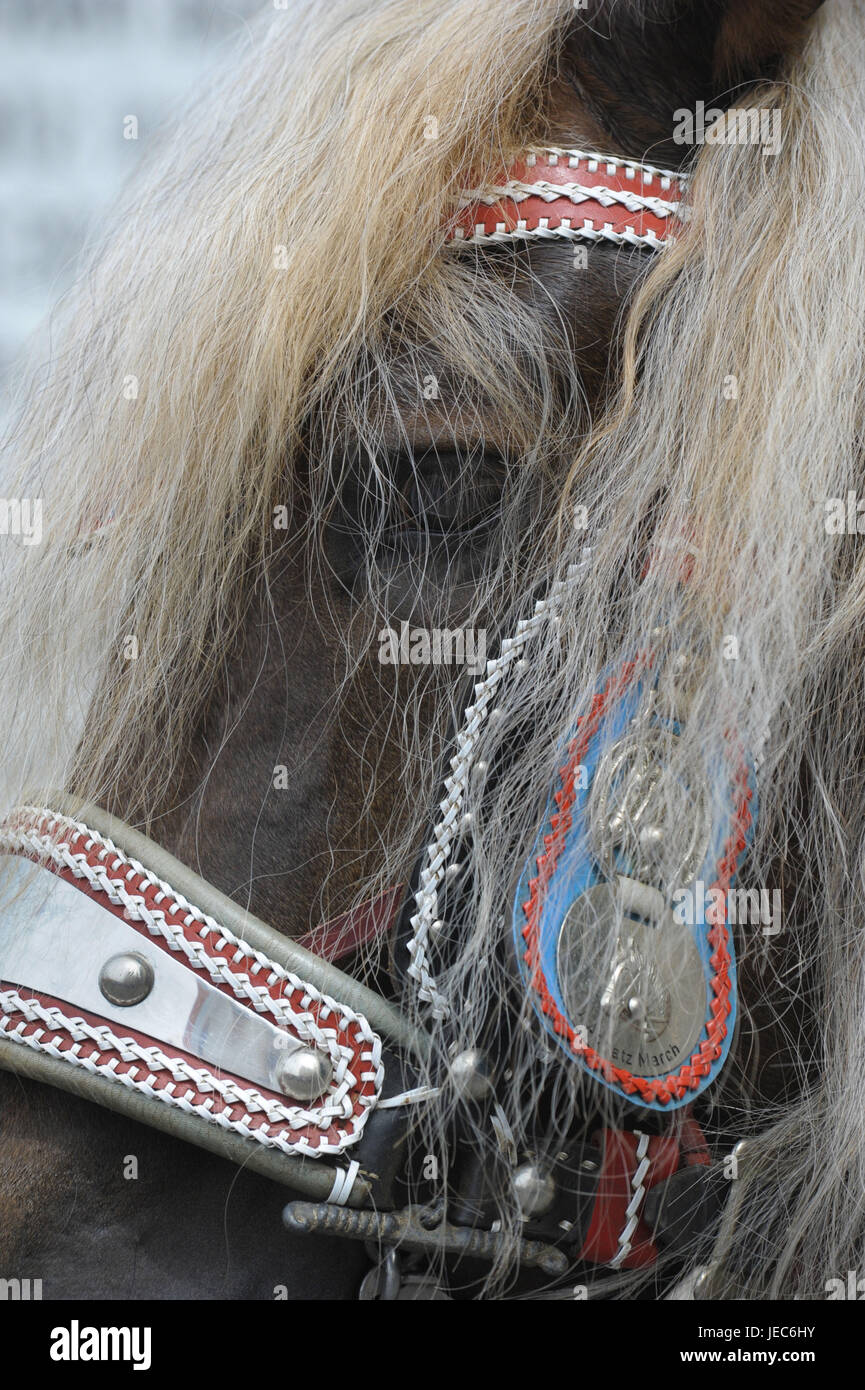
(556, 193)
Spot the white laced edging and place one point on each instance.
(586, 231)
(116, 876)
(613, 163)
(425, 921)
(186, 1080)
(632, 1211)
(577, 193)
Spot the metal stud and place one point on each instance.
(126, 979)
(535, 1190)
(470, 1074)
(304, 1073)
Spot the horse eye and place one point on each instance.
(413, 506)
(450, 495)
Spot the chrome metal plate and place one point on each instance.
(55, 939)
(648, 1012)
(641, 822)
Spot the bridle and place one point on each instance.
(551, 194)
(127, 979)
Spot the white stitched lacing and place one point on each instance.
(565, 230)
(518, 190)
(425, 921)
(632, 1211)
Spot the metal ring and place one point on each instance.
(384, 1281)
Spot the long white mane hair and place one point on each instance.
(262, 293)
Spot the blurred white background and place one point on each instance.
(70, 71)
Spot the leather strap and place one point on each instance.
(342, 936)
(215, 1024)
(632, 1164)
(576, 195)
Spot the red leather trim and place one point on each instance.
(534, 211)
(614, 1194)
(692, 1144)
(340, 937)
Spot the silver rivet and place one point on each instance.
(741, 1149)
(303, 1074)
(470, 1074)
(589, 1165)
(126, 979)
(535, 1190)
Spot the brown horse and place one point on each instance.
(283, 414)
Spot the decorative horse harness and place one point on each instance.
(127, 979)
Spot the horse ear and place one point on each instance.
(755, 36)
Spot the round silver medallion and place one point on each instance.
(647, 1012)
(644, 820)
